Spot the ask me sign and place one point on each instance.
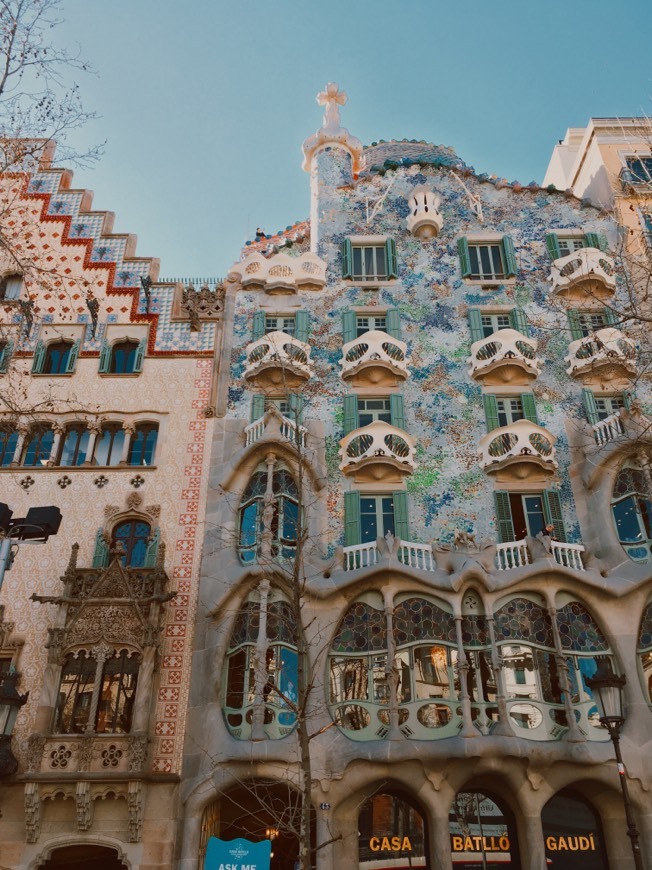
(237, 855)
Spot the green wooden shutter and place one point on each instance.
(393, 323)
(552, 243)
(105, 357)
(296, 408)
(140, 355)
(352, 532)
(590, 407)
(302, 325)
(152, 550)
(257, 407)
(39, 358)
(475, 324)
(518, 320)
(350, 414)
(603, 242)
(258, 326)
(401, 523)
(490, 411)
(592, 240)
(511, 266)
(504, 517)
(390, 253)
(574, 324)
(529, 406)
(553, 512)
(101, 553)
(397, 410)
(465, 259)
(347, 259)
(72, 357)
(5, 355)
(629, 396)
(610, 317)
(349, 326)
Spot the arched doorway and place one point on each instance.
(572, 834)
(393, 833)
(482, 832)
(82, 857)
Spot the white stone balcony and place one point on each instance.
(607, 349)
(568, 555)
(587, 268)
(609, 429)
(378, 451)
(280, 273)
(425, 220)
(515, 554)
(521, 442)
(278, 358)
(506, 356)
(272, 424)
(374, 356)
(360, 556)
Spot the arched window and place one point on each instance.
(276, 510)
(57, 358)
(142, 446)
(482, 832)
(8, 441)
(38, 446)
(117, 677)
(245, 688)
(392, 833)
(124, 356)
(645, 651)
(631, 506)
(74, 445)
(109, 444)
(573, 834)
(134, 536)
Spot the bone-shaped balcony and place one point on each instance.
(506, 356)
(377, 452)
(587, 269)
(375, 358)
(606, 351)
(520, 443)
(278, 358)
(281, 273)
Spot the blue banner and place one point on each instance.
(237, 854)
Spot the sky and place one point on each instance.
(203, 105)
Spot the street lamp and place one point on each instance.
(10, 704)
(36, 527)
(607, 690)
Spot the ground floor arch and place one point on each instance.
(393, 831)
(83, 856)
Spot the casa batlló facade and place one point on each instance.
(425, 407)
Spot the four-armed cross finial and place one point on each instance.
(332, 97)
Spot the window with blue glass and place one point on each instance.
(631, 507)
(57, 357)
(38, 446)
(8, 442)
(74, 446)
(133, 537)
(123, 357)
(273, 509)
(142, 446)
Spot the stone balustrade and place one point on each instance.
(288, 429)
(609, 429)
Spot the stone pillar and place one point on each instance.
(573, 735)
(101, 653)
(462, 669)
(23, 431)
(59, 430)
(533, 850)
(267, 534)
(503, 727)
(129, 429)
(260, 666)
(93, 431)
(144, 689)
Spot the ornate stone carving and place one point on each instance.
(85, 757)
(134, 501)
(113, 624)
(201, 304)
(34, 755)
(110, 510)
(154, 510)
(135, 807)
(111, 756)
(84, 806)
(32, 812)
(138, 747)
(60, 756)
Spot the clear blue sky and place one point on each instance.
(205, 104)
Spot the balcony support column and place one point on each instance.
(573, 735)
(463, 669)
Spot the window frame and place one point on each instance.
(370, 244)
(505, 251)
(14, 281)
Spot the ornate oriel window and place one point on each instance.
(269, 515)
(631, 507)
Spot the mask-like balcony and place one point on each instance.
(607, 353)
(507, 356)
(278, 359)
(280, 273)
(425, 220)
(377, 452)
(519, 444)
(586, 270)
(375, 359)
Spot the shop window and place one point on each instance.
(117, 679)
(11, 286)
(8, 442)
(278, 514)
(482, 833)
(142, 446)
(38, 446)
(108, 445)
(572, 834)
(392, 833)
(74, 446)
(487, 261)
(645, 652)
(372, 261)
(55, 358)
(631, 507)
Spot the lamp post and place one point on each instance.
(607, 690)
(36, 527)
(10, 704)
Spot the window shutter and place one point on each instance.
(101, 554)
(552, 243)
(258, 326)
(397, 411)
(475, 324)
(603, 242)
(350, 414)
(393, 323)
(39, 358)
(401, 523)
(529, 407)
(5, 356)
(629, 396)
(349, 326)
(351, 518)
(592, 240)
(610, 317)
(296, 408)
(301, 325)
(553, 512)
(504, 517)
(72, 357)
(574, 324)
(257, 407)
(140, 355)
(347, 259)
(511, 266)
(105, 357)
(590, 407)
(490, 411)
(518, 320)
(390, 253)
(465, 260)
(152, 550)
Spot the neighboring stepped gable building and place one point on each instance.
(432, 421)
(105, 378)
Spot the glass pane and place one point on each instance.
(368, 520)
(392, 834)
(235, 678)
(381, 267)
(349, 680)
(357, 262)
(388, 515)
(369, 269)
(481, 835)
(533, 505)
(431, 672)
(628, 525)
(8, 441)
